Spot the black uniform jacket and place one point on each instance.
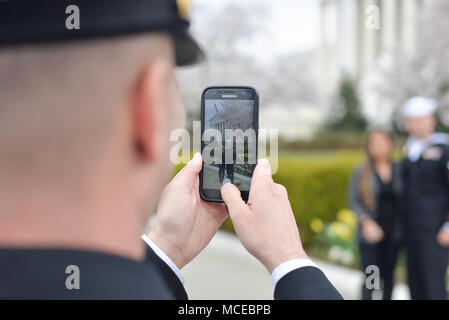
(41, 273)
(426, 189)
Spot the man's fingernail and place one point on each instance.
(196, 158)
(263, 162)
(265, 168)
(226, 185)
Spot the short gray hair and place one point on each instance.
(58, 102)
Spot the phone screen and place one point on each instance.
(229, 139)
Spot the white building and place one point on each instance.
(351, 41)
(293, 122)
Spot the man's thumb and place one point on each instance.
(190, 172)
(231, 196)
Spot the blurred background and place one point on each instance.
(326, 72)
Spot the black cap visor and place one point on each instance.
(188, 51)
(42, 21)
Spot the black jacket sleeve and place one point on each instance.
(168, 276)
(306, 283)
(446, 175)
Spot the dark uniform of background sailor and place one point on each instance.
(426, 186)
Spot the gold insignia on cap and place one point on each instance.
(184, 7)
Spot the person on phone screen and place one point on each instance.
(222, 164)
(86, 117)
(230, 155)
(375, 196)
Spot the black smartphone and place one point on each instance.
(229, 132)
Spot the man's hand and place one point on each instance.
(266, 225)
(371, 231)
(185, 223)
(443, 237)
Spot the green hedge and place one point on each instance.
(317, 184)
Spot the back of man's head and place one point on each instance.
(70, 115)
(60, 103)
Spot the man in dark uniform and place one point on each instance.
(229, 158)
(426, 182)
(88, 99)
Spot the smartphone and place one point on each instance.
(229, 133)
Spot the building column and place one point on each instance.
(410, 8)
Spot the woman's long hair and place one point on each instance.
(365, 184)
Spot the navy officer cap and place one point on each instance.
(44, 21)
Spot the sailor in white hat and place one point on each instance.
(420, 107)
(426, 182)
(420, 119)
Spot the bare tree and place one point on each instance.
(425, 71)
(220, 33)
(285, 79)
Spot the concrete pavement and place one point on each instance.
(225, 270)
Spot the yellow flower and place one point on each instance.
(341, 230)
(348, 217)
(316, 225)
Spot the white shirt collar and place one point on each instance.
(416, 147)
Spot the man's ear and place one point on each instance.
(149, 110)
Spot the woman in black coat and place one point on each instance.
(375, 197)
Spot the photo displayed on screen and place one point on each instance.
(237, 157)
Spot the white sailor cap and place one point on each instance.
(419, 107)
